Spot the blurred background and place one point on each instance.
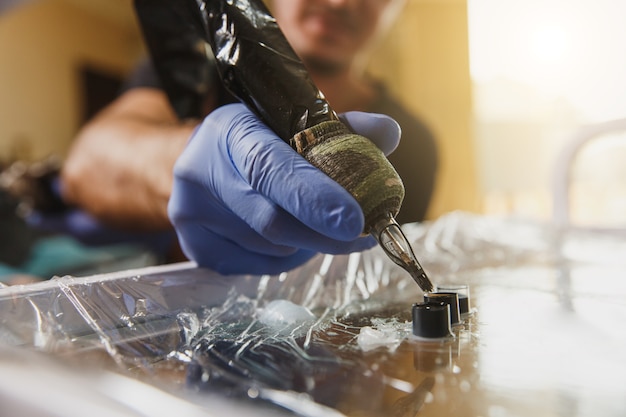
(504, 84)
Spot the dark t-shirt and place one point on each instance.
(415, 159)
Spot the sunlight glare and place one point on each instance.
(549, 44)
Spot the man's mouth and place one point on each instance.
(331, 25)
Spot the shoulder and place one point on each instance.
(193, 90)
(143, 75)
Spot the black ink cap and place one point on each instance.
(431, 320)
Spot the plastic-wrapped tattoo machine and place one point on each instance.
(257, 64)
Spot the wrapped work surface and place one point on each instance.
(542, 336)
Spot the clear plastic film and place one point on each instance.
(332, 337)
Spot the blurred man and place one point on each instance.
(121, 167)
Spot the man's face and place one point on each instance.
(328, 33)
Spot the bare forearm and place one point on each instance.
(120, 169)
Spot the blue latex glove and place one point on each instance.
(243, 201)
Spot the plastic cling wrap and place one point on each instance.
(333, 337)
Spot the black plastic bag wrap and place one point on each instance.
(255, 61)
(175, 39)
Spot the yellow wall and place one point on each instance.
(425, 60)
(42, 46)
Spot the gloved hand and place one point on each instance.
(243, 201)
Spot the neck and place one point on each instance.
(344, 90)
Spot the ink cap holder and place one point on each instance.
(431, 320)
(440, 312)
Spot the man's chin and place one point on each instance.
(324, 65)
